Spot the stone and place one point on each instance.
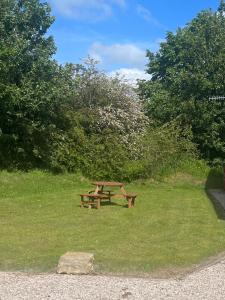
(76, 263)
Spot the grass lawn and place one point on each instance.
(173, 224)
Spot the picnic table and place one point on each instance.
(100, 194)
(100, 185)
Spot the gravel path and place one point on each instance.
(208, 283)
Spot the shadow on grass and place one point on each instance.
(107, 203)
(215, 181)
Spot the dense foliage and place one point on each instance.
(186, 72)
(110, 136)
(74, 117)
(33, 88)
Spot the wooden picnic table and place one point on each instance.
(100, 194)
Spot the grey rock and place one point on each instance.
(76, 263)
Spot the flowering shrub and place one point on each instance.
(111, 105)
(110, 137)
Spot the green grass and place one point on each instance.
(173, 224)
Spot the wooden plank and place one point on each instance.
(107, 183)
(119, 196)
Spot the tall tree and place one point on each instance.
(189, 69)
(33, 87)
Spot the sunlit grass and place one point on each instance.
(173, 224)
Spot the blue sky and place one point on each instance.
(118, 32)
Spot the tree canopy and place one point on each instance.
(187, 70)
(32, 85)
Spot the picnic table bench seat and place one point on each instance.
(130, 197)
(108, 193)
(92, 199)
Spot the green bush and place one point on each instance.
(161, 150)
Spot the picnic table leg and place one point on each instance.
(96, 190)
(82, 202)
(129, 202)
(109, 196)
(122, 189)
(90, 201)
(98, 203)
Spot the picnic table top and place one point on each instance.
(107, 183)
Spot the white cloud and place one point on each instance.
(130, 75)
(88, 10)
(147, 15)
(125, 54)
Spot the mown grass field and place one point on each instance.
(173, 224)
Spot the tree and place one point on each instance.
(23, 43)
(221, 8)
(34, 89)
(111, 105)
(111, 122)
(188, 69)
